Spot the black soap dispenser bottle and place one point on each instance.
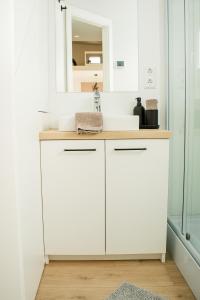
(139, 111)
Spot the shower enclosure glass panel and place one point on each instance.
(192, 166)
(176, 14)
(184, 121)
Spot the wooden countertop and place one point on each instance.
(106, 135)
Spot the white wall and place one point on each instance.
(24, 90)
(31, 93)
(152, 50)
(151, 53)
(10, 278)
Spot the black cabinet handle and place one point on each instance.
(130, 149)
(80, 150)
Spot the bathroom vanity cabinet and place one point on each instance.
(136, 196)
(105, 197)
(73, 188)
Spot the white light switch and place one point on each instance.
(149, 78)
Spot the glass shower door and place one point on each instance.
(192, 166)
(176, 15)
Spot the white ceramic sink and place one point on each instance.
(67, 123)
(111, 122)
(120, 122)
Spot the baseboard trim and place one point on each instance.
(107, 257)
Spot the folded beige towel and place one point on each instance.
(89, 122)
(151, 104)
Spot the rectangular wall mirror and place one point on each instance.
(96, 45)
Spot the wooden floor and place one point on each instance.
(95, 280)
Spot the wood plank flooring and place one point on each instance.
(95, 280)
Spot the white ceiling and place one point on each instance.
(86, 32)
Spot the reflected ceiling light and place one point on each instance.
(76, 36)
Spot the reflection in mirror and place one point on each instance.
(96, 43)
(87, 57)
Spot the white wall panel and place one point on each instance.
(31, 91)
(10, 275)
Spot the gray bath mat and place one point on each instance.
(130, 292)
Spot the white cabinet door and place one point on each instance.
(73, 188)
(136, 196)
